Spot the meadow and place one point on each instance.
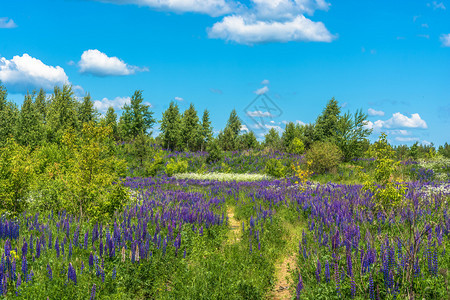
(264, 238)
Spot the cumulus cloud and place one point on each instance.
(209, 7)
(259, 114)
(262, 90)
(249, 30)
(7, 23)
(445, 39)
(244, 128)
(25, 72)
(373, 112)
(99, 64)
(179, 99)
(265, 82)
(117, 103)
(399, 132)
(398, 120)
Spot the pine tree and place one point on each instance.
(206, 130)
(170, 127)
(86, 111)
(228, 138)
(327, 123)
(41, 105)
(190, 130)
(62, 113)
(29, 127)
(8, 116)
(248, 141)
(136, 117)
(272, 140)
(110, 119)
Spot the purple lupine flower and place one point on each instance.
(24, 248)
(93, 292)
(114, 273)
(71, 274)
(318, 271)
(299, 285)
(327, 272)
(337, 278)
(371, 289)
(91, 261)
(30, 276)
(19, 282)
(49, 272)
(86, 239)
(24, 266)
(38, 248)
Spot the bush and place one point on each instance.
(176, 167)
(297, 146)
(215, 153)
(155, 165)
(275, 168)
(324, 157)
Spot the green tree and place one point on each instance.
(327, 123)
(170, 127)
(228, 137)
(29, 127)
(8, 116)
(351, 134)
(110, 119)
(190, 129)
(206, 130)
(272, 140)
(136, 117)
(41, 105)
(86, 111)
(248, 141)
(62, 113)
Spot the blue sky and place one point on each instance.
(389, 58)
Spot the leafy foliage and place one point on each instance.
(325, 157)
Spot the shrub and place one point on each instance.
(175, 167)
(296, 146)
(275, 168)
(155, 165)
(215, 153)
(324, 157)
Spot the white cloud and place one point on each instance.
(209, 7)
(399, 132)
(406, 139)
(178, 99)
(244, 128)
(259, 114)
(300, 122)
(99, 64)
(398, 120)
(249, 30)
(7, 23)
(25, 72)
(279, 9)
(437, 5)
(117, 103)
(445, 39)
(373, 112)
(265, 82)
(262, 90)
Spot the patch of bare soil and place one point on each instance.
(283, 278)
(234, 234)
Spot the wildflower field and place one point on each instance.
(172, 241)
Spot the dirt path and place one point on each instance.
(234, 234)
(283, 277)
(286, 263)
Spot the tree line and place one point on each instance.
(44, 118)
